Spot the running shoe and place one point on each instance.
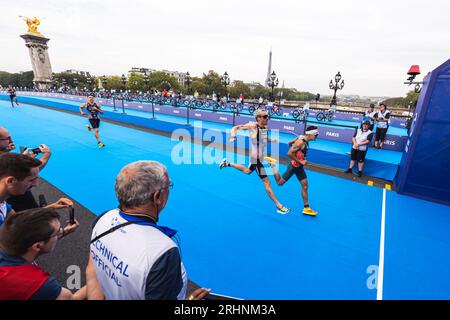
(88, 127)
(271, 161)
(224, 163)
(348, 170)
(359, 174)
(283, 210)
(100, 145)
(310, 212)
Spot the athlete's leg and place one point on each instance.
(270, 192)
(240, 167)
(96, 135)
(304, 184)
(280, 181)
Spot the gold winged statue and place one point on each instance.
(32, 25)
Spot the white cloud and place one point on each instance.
(371, 43)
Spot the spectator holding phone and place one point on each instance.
(25, 236)
(26, 200)
(18, 174)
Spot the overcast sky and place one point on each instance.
(372, 43)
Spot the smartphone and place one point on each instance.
(72, 215)
(42, 201)
(35, 150)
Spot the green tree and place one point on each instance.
(238, 88)
(160, 80)
(260, 91)
(69, 78)
(199, 86)
(112, 83)
(213, 82)
(411, 97)
(397, 102)
(136, 82)
(24, 79)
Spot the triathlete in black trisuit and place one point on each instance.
(297, 153)
(12, 95)
(93, 109)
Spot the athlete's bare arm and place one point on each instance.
(235, 129)
(98, 108)
(290, 143)
(298, 145)
(81, 109)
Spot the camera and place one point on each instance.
(35, 150)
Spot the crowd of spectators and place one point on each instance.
(131, 255)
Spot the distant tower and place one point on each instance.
(269, 70)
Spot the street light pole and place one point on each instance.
(75, 83)
(272, 81)
(146, 80)
(225, 81)
(104, 82)
(89, 82)
(187, 81)
(338, 85)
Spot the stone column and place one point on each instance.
(40, 61)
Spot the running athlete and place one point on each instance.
(297, 154)
(94, 109)
(258, 132)
(12, 95)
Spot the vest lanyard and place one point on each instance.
(141, 220)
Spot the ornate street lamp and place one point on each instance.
(187, 81)
(146, 80)
(225, 81)
(64, 82)
(124, 80)
(89, 81)
(337, 85)
(272, 82)
(104, 82)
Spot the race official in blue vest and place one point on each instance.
(361, 141)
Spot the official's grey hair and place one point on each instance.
(138, 181)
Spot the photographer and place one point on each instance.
(24, 237)
(18, 174)
(26, 200)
